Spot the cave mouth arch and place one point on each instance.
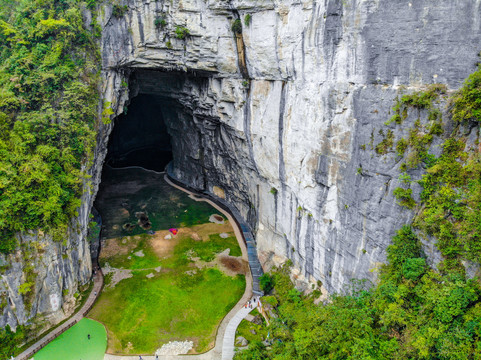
(157, 121)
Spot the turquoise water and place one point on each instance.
(74, 344)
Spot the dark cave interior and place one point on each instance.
(140, 136)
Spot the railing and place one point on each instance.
(98, 284)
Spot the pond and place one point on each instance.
(74, 344)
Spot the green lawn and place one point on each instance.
(171, 306)
(74, 343)
(185, 300)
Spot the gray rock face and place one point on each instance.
(285, 146)
(43, 275)
(54, 270)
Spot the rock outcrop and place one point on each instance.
(283, 140)
(280, 119)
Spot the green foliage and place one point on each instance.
(237, 26)
(266, 283)
(419, 100)
(413, 268)
(452, 201)
(467, 101)
(169, 44)
(181, 32)
(405, 245)
(48, 107)
(160, 22)
(273, 191)
(9, 341)
(106, 113)
(404, 196)
(119, 10)
(401, 146)
(386, 144)
(247, 19)
(413, 313)
(25, 288)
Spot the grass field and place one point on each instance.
(189, 289)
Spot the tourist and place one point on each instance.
(88, 336)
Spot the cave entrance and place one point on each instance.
(140, 136)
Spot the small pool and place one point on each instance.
(74, 343)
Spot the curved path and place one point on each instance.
(228, 344)
(225, 338)
(224, 341)
(98, 283)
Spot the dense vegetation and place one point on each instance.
(48, 107)
(9, 341)
(414, 312)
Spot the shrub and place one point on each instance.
(160, 22)
(237, 26)
(405, 197)
(247, 19)
(467, 101)
(401, 146)
(386, 144)
(405, 245)
(119, 10)
(413, 268)
(181, 32)
(25, 288)
(266, 283)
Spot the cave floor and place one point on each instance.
(161, 287)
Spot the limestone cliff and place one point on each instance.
(284, 142)
(277, 119)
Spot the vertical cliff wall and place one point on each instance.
(284, 142)
(42, 276)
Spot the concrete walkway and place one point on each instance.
(225, 338)
(229, 337)
(98, 282)
(228, 325)
(254, 264)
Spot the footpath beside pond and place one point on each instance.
(173, 266)
(28, 353)
(227, 327)
(86, 340)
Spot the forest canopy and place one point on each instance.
(48, 107)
